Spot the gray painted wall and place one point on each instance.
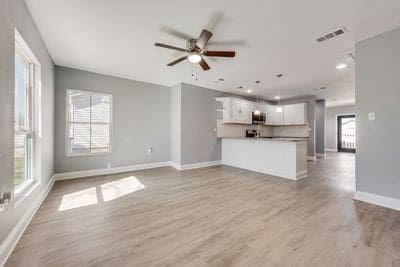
(15, 14)
(141, 119)
(331, 124)
(378, 90)
(199, 142)
(310, 100)
(320, 141)
(176, 107)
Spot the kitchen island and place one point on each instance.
(283, 157)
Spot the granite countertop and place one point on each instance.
(273, 139)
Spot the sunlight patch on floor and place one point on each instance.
(103, 193)
(119, 188)
(78, 199)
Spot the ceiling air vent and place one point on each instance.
(331, 35)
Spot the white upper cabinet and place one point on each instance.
(273, 117)
(237, 110)
(295, 114)
(247, 108)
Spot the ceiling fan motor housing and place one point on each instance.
(191, 45)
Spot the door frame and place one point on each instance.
(339, 134)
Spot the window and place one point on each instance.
(89, 123)
(23, 106)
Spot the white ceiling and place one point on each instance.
(270, 36)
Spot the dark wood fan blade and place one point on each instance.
(219, 53)
(171, 47)
(204, 65)
(176, 33)
(203, 39)
(177, 61)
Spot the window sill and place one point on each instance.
(23, 193)
(88, 155)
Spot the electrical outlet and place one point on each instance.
(371, 116)
(150, 151)
(7, 197)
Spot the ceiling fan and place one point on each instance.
(195, 51)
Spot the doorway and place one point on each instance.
(346, 125)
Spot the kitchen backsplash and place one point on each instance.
(292, 131)
(239, 130)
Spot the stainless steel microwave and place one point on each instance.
(258, 118)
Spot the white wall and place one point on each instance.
(331, 124)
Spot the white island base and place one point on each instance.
(283, 158)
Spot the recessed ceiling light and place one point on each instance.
(221, 79)
(257, 81)
(323, 88)
(240, 87)
(249, 91)
(341, 66)
(277, 97)
(315, 89)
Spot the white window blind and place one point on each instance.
(89, 123)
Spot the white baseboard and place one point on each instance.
(175, 165)
(387, 202)
(330, 149)
(88, 173)
(95, 172)
(195, 165)
(321, 155)
(13, 237)
(311, 158)
(302, 174)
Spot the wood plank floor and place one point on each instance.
(217, 216)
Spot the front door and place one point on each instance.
(347, 133)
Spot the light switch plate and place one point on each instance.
(371, 116)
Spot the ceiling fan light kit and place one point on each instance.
(195, 51)
(194, 58)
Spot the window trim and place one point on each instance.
(32, 129)
(68, 152)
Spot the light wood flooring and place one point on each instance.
(216, 216)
